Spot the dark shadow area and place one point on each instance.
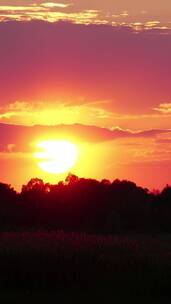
(83, 236)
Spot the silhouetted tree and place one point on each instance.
(35, 184)
(85, 204)
(8, 206)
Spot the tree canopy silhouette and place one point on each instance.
(85, 204)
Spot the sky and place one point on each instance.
(96, 73)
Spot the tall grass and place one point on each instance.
(55, 261)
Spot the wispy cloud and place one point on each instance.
(44, 113)
(17, 8)
(47, 11)
(164, 108)
(54, 5)
(50, 12)
(55, 11)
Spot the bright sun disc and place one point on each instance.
(56, 156)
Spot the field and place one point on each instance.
(53, 262)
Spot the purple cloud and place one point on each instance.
(17, 138)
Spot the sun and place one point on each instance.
(56, 156)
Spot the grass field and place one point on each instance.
(53, 262)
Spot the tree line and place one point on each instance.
(85, 205)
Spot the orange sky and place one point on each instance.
(100, 77)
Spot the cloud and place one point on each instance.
(83, 14)
(164, 108)
(63, 112)
(54, 5)
(19, 138)
(79, 111)
(47, 11)
(17, 8)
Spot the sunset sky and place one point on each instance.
(95, 73)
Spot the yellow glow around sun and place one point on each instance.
(56, 156)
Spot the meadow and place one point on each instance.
(53, 262)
